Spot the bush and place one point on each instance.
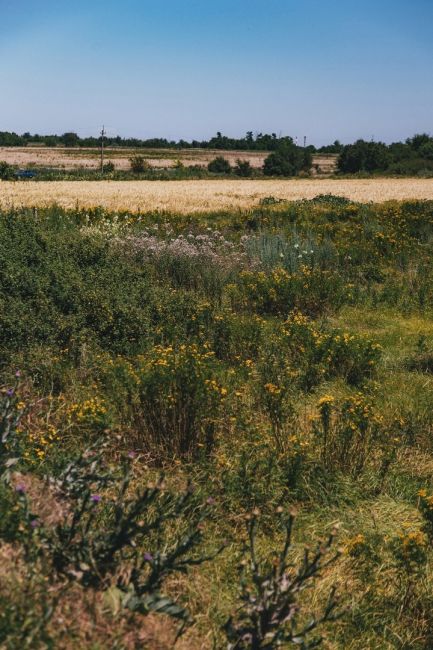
(278, 292)
(109, 167)
(317, 354)
(351, 435)
(243, 168)
(139, 164)
(175, 395)
(287, 161)
(6, 171)
(219, 165)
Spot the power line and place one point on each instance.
(102, 148)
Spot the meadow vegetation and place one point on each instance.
(217, 426)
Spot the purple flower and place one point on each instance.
(148, 557)
(131, 454)
(10, 392)
(34, 523)
(95, 498)
(210, 501)
(20, 488)
(18, 373)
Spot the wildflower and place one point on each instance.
(96, 498)
(10, 392)
(20, 488)
(34, 523)
(18, 373)
(326, 399)
(148, 557)
(272, 389)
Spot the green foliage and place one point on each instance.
(288, 160)
(138, 164)
(219, 165)
(363, 156)
(70, 139)
(243, 169)
(317, 354)
(353, 436)
(225, 346)
(178, 395)
(104, 524)
(108, 167)
(7, 171)
(311, 291)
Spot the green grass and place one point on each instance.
(192, 342)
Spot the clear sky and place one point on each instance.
(326, 69)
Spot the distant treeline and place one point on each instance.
(414, 156)
(251, 142)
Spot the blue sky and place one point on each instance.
(326, 69)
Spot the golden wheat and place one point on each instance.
(204, 195)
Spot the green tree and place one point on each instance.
(288, 160)
(364, 156)
(219, 165)
(70, 139)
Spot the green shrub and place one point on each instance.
(351, 435)
(109, 167)
(278, 292)
(138, 164)
(219, 165)
(243, 168)
(175, 396)
(287, 161)
(7, 172)
(317, 354)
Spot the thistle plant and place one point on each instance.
(269, 611)
(9, 442)
(111, 534)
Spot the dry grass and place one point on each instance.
(205, 195)
(72, 158)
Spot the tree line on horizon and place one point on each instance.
(413, 156)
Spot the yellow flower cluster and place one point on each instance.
(90, 409)
(412, 539)
(326, 400)
(213, 385)
(41, 439)
(427, 500)
(354, 545)
(272, 389)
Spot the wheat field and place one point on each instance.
(203, 195)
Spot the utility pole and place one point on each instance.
(305, 141)
(102, 148)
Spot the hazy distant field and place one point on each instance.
(72, 158)
(197, 196)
